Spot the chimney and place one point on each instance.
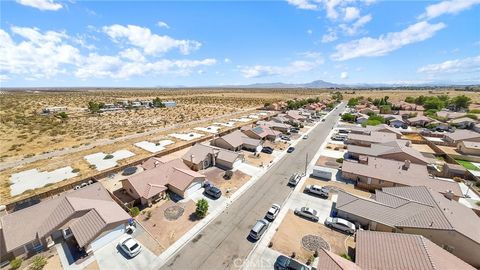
(213, 157)
(156, 163)
(406, 165)
(449, 195)
(191, 158)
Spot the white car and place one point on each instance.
(273, 212)
(308, 213)
(294, 179)
(340, 224)
(305, 137)
(131, 247)
(317, 190)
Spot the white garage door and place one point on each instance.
(195, 186)
(237, 162)
(108, 237)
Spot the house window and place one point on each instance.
(369, 180)
(381, 181)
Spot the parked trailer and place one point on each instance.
(323, 172)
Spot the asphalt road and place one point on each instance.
(223, 244)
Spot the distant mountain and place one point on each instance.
(314, 84)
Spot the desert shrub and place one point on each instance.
(108, 156)
(457, 179)
(474, 111)
(148, 215)
(346, 256)
(38, 263)
(228, 175)
(16, 263)
(339, 160)
(75, 170)
(202, 208)
(134, 211)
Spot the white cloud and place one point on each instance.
(151, 44)
(344, 75)
(466, 65)
(263, 71)
(330, 6)
(4, 78)
(163, 25)
(447, 7)
(357, 25)
(227, 60)
(313, 55)
(309, 31)
(41, 4)
(367, 47)
(330, 36)
(351, 13)
(132, 54)
(303, 4)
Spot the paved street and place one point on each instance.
(223, 243)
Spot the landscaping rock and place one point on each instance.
(173, 212)
(314, 243)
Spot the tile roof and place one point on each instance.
(394, 251)
(471, 145)
(88, 203)
(237, 138)
(450, 115)
(373, 137)
(413, 207)
(419, 118)
(330, 261)
(463, 119)
(462, 135)
(388, 148)
(201, 151)
(395, 172)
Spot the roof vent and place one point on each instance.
(449, 195)
(406, 165)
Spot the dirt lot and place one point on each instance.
(165, 231)
(279, 145)
(53, 263)
(261, 160)
(92, 266)
(215, 175)
(289, 235)
(336, 147)
(412, 137)
(423, 148)
(333, 184)
(328, 162)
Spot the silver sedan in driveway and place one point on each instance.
(307, 213)
(340, 224)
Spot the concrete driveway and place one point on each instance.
(110, 257)
(300, 199)
(212, 203)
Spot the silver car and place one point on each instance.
(317, 190)
(273, 212)
(130, 246)
(294, 179)
(307, 213)
(340, 224)
(259, 228)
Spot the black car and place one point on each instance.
(286, 263)
(267, 150)
(213, 191)
(290, 149)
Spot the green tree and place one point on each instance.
(352, 102)
(461, 102)
(16, 263)
(433, 103)
(420, 100)
(134, 211)
(410, 99)
(348, 117)
(386, 109)
(38, 263)
(202, 208)
(157, 103)
(95, 107)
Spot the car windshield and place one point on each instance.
(135, 246)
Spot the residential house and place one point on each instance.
(169, 104)
(328, 260)
(361, 118)
(462, 135)
(463, 122)
(48, 110)
(88, 214)
(420, 211)
(236, 141)
(469, 148)
(452, 170)
(372, 138)
(449, 115)
(261, 133)
(151, 185)
(278, 126)
(399, 150)
(202, 156)
(394, 251)
(375, 173)
(295, 116)
(280, 118)
(378, 128)
(395, 121)
(369, 111)
(476, 127)
(419, 121)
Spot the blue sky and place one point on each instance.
(199, 43)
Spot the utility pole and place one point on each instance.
(306, 164)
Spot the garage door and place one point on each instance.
(237, 162)
(108, 237)
(195, 186)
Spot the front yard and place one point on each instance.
(259, 160)
(293, 230)
(228, 187)
(468, 165)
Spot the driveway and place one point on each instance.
(212, 203)
(110, 257)
(323, 206)
(248, 169)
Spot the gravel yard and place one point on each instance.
(215, 176)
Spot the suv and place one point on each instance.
(259, 228)
(273, 212)
(213, 191)
(317, 190)
(294, 179)
(340, 224)
(267, 150)
(286, 263)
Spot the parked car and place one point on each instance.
(267, 150)
(343, 131)
(273, 212)
(305, 137)
(294, 130)
(213, 191)
(339, 138)
(317, 190)
(286, 263)
(290, 149)
(130, 246)
(294, 179)
(340, 224)
(307, 213)
(259, 228)
(323, 120)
